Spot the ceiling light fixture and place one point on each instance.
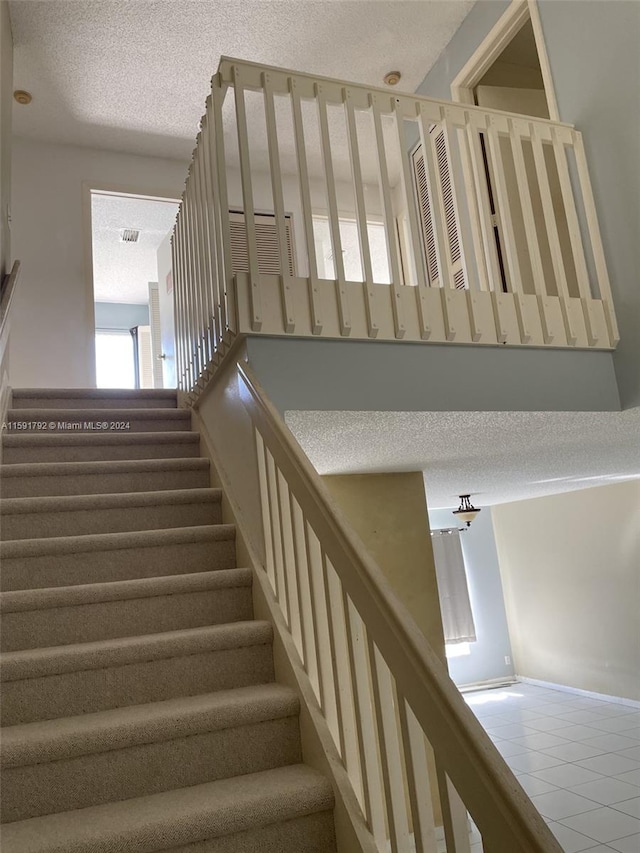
(392, 78)
(22, 97)
(466, 512)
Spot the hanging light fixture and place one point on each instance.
(466, 512)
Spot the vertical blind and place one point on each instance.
(453, 590)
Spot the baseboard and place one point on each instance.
(589, 694)
(490, 684)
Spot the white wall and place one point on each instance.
(52, 333)
(570, 565)
(485, 662)
(6, 102)
(120, 315)
(52, 341)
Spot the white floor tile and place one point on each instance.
(633, 753)
(633, 777)
(534, 786)
(592, 804)
(530, 761)
(539, 740)
(566, 775)
(610, 764)
(611, 742)
(627, 845)
(507, 748)
(560, 804)
(619, 723)
(585, 717)
(601, 848)
(580, 732)
(508, 731)
(603, 824)
(631, 807)
(549, 724)
(573, 751)
(607, 791)
(555, 708)
(571, 841)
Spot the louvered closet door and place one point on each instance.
(267, 240)
(452, 224)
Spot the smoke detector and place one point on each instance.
(392, 78)
(129, 235)
(22, 97)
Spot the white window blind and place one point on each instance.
(267, 243)
(453, 590)
(425, 207)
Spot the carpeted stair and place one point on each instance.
(139, 711)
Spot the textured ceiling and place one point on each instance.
(496, 456)
(122, 271)
(133, 75)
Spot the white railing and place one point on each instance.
(7, 292)
(415, 757)
(397, 218)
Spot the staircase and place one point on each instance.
(139, 709)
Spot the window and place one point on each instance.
(351, 250)
(453, 591)
(114, 359)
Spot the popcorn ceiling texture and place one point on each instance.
(497, 456)
(122, 271)
(133, 76)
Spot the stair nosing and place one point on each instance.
(90, 393)
(55, 413)
(88, 542)
(47, 598)
(71, 439)
(108, 500)
(63, 738)
(109, 466)
(28, 664)
(175, 818)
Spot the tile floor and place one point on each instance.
(577, 758)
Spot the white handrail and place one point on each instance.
(381, 687)
(6, 293)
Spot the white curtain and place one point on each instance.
(457, 617)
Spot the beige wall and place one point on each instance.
(389, 513)
(570, 565)
(6, 101)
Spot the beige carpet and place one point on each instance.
(139, 711)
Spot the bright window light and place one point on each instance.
(457, 650)
(351, 250)
(114, 360)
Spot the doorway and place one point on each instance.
(127, 232)
(512, 57)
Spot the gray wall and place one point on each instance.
(120, 315)
(369, 376)
(486, 660)
(593, 54)
(6, 101)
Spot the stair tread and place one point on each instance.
(89, 414)
(88, 542)
(133, 393)
(117, 466)
(119, 728)
(161, 821)
(42, 598)
(72, 503)
(108, 438)
(103, 654)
